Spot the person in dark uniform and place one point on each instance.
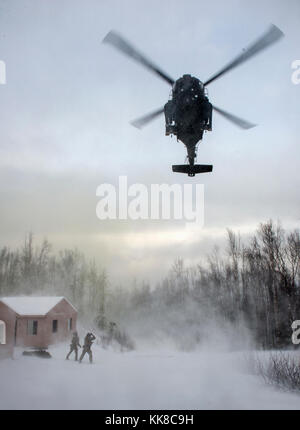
(111, 331)
(88, 341)
(74, 346)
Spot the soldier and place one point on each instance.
(111, 331)
(74, 346)
(88, 341)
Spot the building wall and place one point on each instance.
(9, 318)
(24, 339)
(62, 312)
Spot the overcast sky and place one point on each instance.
(65, 113)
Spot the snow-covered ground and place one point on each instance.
(136, 380)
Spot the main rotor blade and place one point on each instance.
(236, 120)
(144, 120)
(122, 45)
(267, 39)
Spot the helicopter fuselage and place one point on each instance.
(188, 113)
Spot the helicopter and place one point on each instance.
(188, 113)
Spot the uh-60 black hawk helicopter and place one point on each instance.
(188, 113)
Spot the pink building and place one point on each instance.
(34, 322)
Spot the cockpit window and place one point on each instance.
(188, 84)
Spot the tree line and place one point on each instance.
(36, 270)
(253, 284)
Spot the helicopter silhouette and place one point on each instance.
(188, 113)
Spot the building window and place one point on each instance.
(2, 333)
(70, 324)
(32, 327)
(54, 326)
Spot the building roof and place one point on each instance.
(27, 305)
